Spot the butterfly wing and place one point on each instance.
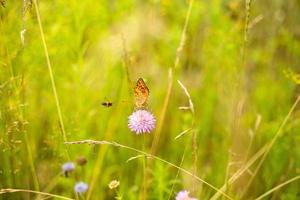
(141, 93)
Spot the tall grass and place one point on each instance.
(238, 66)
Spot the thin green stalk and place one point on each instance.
(160, 123)
(51, 74)
(144, 192)
(171, 80)
(126, 63)
(262, 152)
(177, 173)
(26, 139)
(107, 135)
(10, 190)
(52, 183)
(115, 144)
(194, 136)
(246, 29)
(278, 133)
(31, 164)
(237, 174)
(277, 187)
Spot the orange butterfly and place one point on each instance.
(141, 94)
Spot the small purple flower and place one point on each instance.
(141, 121)
(81, 187)
(67, 167)
(184, 195)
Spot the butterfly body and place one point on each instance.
(141, 94)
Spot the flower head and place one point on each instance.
(67, 167)
(184, 195)
(81, 187)
(141, 121)
(113, 184)
(81, 160)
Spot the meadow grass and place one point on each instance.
(223, 77)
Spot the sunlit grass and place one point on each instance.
(228, 129)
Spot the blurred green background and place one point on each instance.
(242, 84)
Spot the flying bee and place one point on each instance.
(107, 104)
